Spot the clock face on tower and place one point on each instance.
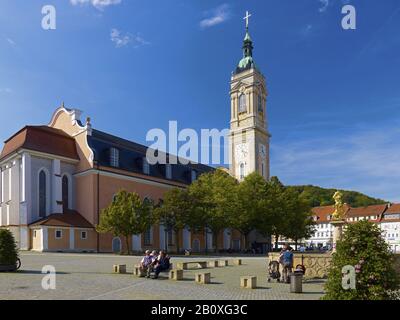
(241, 151)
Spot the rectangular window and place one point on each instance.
(34, 233)
(147, 237)
(58, 234)
(114, 157)
(146, 166)
(83, 235)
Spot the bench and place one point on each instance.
(185, 265)
(203, 278)
(248, 282)
(141, 273)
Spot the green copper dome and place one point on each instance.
(247, 62)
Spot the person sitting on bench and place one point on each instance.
(161, 264)
(146, 261)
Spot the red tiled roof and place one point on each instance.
(43, 139)
(374, 210)
(68, 219)
(324, 212)
(394, 208)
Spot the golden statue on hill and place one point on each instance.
(339, 212)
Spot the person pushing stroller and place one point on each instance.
(286, 260)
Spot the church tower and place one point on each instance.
(249, 136)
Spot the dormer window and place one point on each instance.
(146, 166)
(168, 171)
(114, 157)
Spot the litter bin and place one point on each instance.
(296, 281)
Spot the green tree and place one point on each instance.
(251, 209)
(363, 247)
(174, 212)
(126, 215)
(213, 196)
(317, 196)
(275, 216)
(298, 217)
(8, 248)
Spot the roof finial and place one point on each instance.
(62, 105)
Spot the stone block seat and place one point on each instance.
(223, 263)
(212, 264)
(176, 274)
(119, 268)
(237, 262)
(248, 282)
(203, 278)
(138, 272)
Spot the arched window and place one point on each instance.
(65, 193)
(42, 194)
(241, 171)
(242, 103)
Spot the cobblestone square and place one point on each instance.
(90, 277)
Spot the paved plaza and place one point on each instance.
(89, 276)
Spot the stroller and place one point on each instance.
(273, 271)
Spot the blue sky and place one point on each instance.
(334, 98)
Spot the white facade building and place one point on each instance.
(390, 225)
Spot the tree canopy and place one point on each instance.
(363, 248)
(317, 196)
(126, 215)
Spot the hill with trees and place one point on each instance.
(317, 196)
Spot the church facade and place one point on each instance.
(56, 178)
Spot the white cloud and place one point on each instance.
(98, 4)
(324, 5)
(218, 15)
(306, 30)
(122, 40)
(139, 41)
(5, 90)
(366, 161)
(119, 39)
(11, 41)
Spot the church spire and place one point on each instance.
(247, 61)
